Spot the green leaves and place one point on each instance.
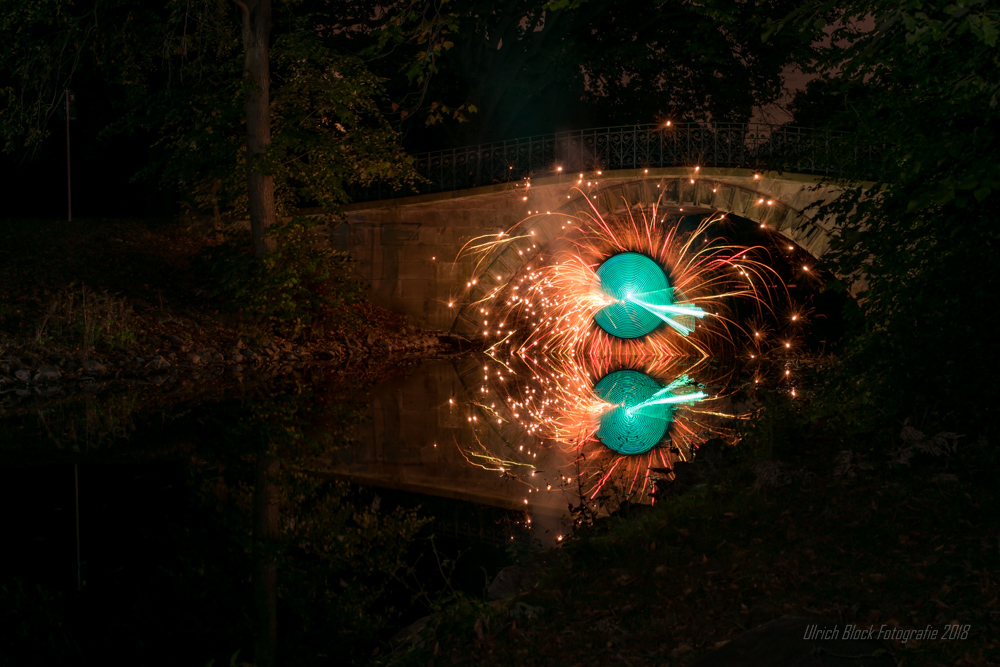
(536, 66)
(918, 86)
(43, 44)
(984, 28)
(440, 112)
(295, 289)
(174, 70)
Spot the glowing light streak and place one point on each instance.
(547, 362)
(662, 311)
(668, 400)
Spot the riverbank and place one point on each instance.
(104, 302)
(803, 524)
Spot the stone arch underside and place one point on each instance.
(768, 202)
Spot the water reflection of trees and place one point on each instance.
(324, 554)
(322, 558)
(78, 422)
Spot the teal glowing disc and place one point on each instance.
(638, 286)
(628, 428)
(641, 409)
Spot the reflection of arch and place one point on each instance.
(509, 435)
(705, 194)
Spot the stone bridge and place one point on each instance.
(406, 248)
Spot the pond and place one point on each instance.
(134, 512)
(188, 520)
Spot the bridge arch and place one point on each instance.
(407, 247)
(778, 203)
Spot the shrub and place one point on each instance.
(296, 289)
(88, 319)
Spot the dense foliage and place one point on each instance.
(920, 84)
(296, 289)
(917, 82)
(519, 68)
(338, 550)
(173, 72)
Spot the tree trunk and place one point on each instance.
(265, 575)
(256, 70)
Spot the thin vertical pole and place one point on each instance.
(69, 189)
(76, 495)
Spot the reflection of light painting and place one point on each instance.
(613, 419)
(640, 410)
(596, 344)
(642, 298)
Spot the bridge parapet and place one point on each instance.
(755, 146)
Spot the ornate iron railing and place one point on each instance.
(732, 145)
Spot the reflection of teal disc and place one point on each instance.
(628, 277)
(630, 431)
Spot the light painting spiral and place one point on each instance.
(642, 410)
(642, 298)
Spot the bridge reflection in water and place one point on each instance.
(443, 431)
(423, 435)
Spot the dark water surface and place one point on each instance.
(131, 515)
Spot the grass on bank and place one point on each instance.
(93, 286)
(81, 318)
(112, 287)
